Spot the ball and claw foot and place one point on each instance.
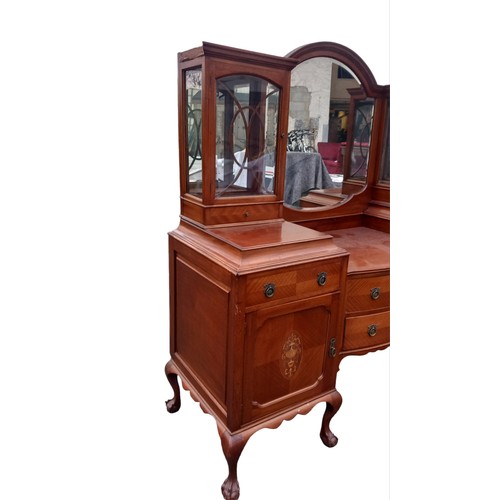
(232, 446)
(230, 489)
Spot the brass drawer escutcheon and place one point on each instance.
(372, 330)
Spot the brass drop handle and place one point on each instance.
(269, 290)
(372, 330)
(332, 351)
(375, 293)
(321, 279)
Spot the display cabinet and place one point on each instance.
(267, 297)
(233, 108)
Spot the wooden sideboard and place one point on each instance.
(265, 299)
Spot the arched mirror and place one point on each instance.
(330, 127)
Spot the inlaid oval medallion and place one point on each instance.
(291, 355)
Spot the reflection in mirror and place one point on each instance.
(361, 133)
(385, 171)
(330, 127)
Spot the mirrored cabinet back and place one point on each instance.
(279, 267)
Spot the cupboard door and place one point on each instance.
(289, 355)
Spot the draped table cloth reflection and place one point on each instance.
(304, 171)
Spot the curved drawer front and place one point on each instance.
(365, 294)
(293, 282)
(366, 331)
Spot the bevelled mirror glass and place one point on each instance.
(329, 124)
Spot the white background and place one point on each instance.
(89, 191)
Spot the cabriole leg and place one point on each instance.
(232, 447)
(329, 439)
(173, 404)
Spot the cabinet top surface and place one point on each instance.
(247, 248)
(368, 249)
(269, 234)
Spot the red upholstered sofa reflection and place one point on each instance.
(331, 155)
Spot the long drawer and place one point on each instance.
(293, 282)
(366, 331)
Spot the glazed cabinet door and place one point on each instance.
(289, 355)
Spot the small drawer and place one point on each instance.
(366, 294)
(366, 331)
(293, 282)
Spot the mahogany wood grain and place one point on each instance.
(368, 249)
(233, 443)
(367, 293)
(265, 300)
(366, 331)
